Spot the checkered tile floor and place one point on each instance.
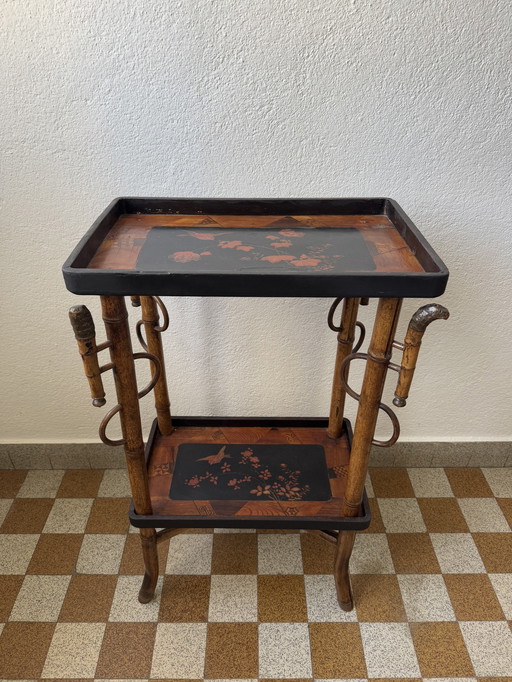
(432, 580)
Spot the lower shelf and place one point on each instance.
(253, 473)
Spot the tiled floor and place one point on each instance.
(432, 579)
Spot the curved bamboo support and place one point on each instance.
(85, 335)
(411, 347)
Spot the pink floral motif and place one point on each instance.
(291, 233)
(185, 256)
(281, 245)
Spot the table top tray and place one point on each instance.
(255, 247)
(249, 472)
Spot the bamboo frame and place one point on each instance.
(115, 318)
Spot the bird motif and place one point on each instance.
(215, 459)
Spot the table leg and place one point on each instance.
(379, 355)
(150, 318)
(346, 336)
(115, 318)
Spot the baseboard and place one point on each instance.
(408, 454)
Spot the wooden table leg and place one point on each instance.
(346, 336)
(115, 318)
(150, 318)
(379, 354)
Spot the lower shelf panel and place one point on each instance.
(253, 473)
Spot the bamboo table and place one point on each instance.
(249, 472)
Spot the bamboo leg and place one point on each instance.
(379, 354)
(344, 547)
(346, 338)
(154, 342)
(115, 318)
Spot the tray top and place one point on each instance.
(279, 247)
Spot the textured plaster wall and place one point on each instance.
(400, 98)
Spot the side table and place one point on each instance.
(252, 472)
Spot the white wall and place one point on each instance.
(400, 98)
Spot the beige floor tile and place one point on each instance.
(234, 530)
(16, 552)
(389, 650)
(473, 597)
(190, 554)
(425, 598)
(279, 554)
(391, 482)
(179, 651)
(281, 599)
(41, 483)
(499, 480)
(371, 554)
(440, 649)
(5, 505)
(27, 515)
(378, 599)
(235, 554)
(231, 651)
(23, 649)
(490, 647)
(68, 516)
(88, 599)
(336, 650)
(322, 602)
(127, 649)
(100, 554)
(483, 515)
(284, 650)
(185, 599)
(126, 606)
(40, 598)
(468, 483)
(115, 483)
(233, 598)
(431, 482)
(502, 584)
(457, 553)
(74, 650)
(55, 554)
(401, 516)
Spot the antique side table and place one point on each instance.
(250, 472)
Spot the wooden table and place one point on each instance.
(252, 472)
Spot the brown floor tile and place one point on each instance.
(185, 599)
(495, 550)
(9, 588)
(413, 553)
(273, 531)
(317, 554)
(394, 679)
(55, 554)
(468, 483)
(442, 515)
(378, 599)
(506, 507)
(235, 553)
(288, 679)
(441, 650)
(377, 524)
(88, 599)
(337, 650)
(231, 651)
(23, 649)
(80, 483)
(27, 515)
(281, 599)
(391, 482)
(127, 650)
(11, 481)
(494, 679)
(473, 597)
(108, 515)
(132, 562)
